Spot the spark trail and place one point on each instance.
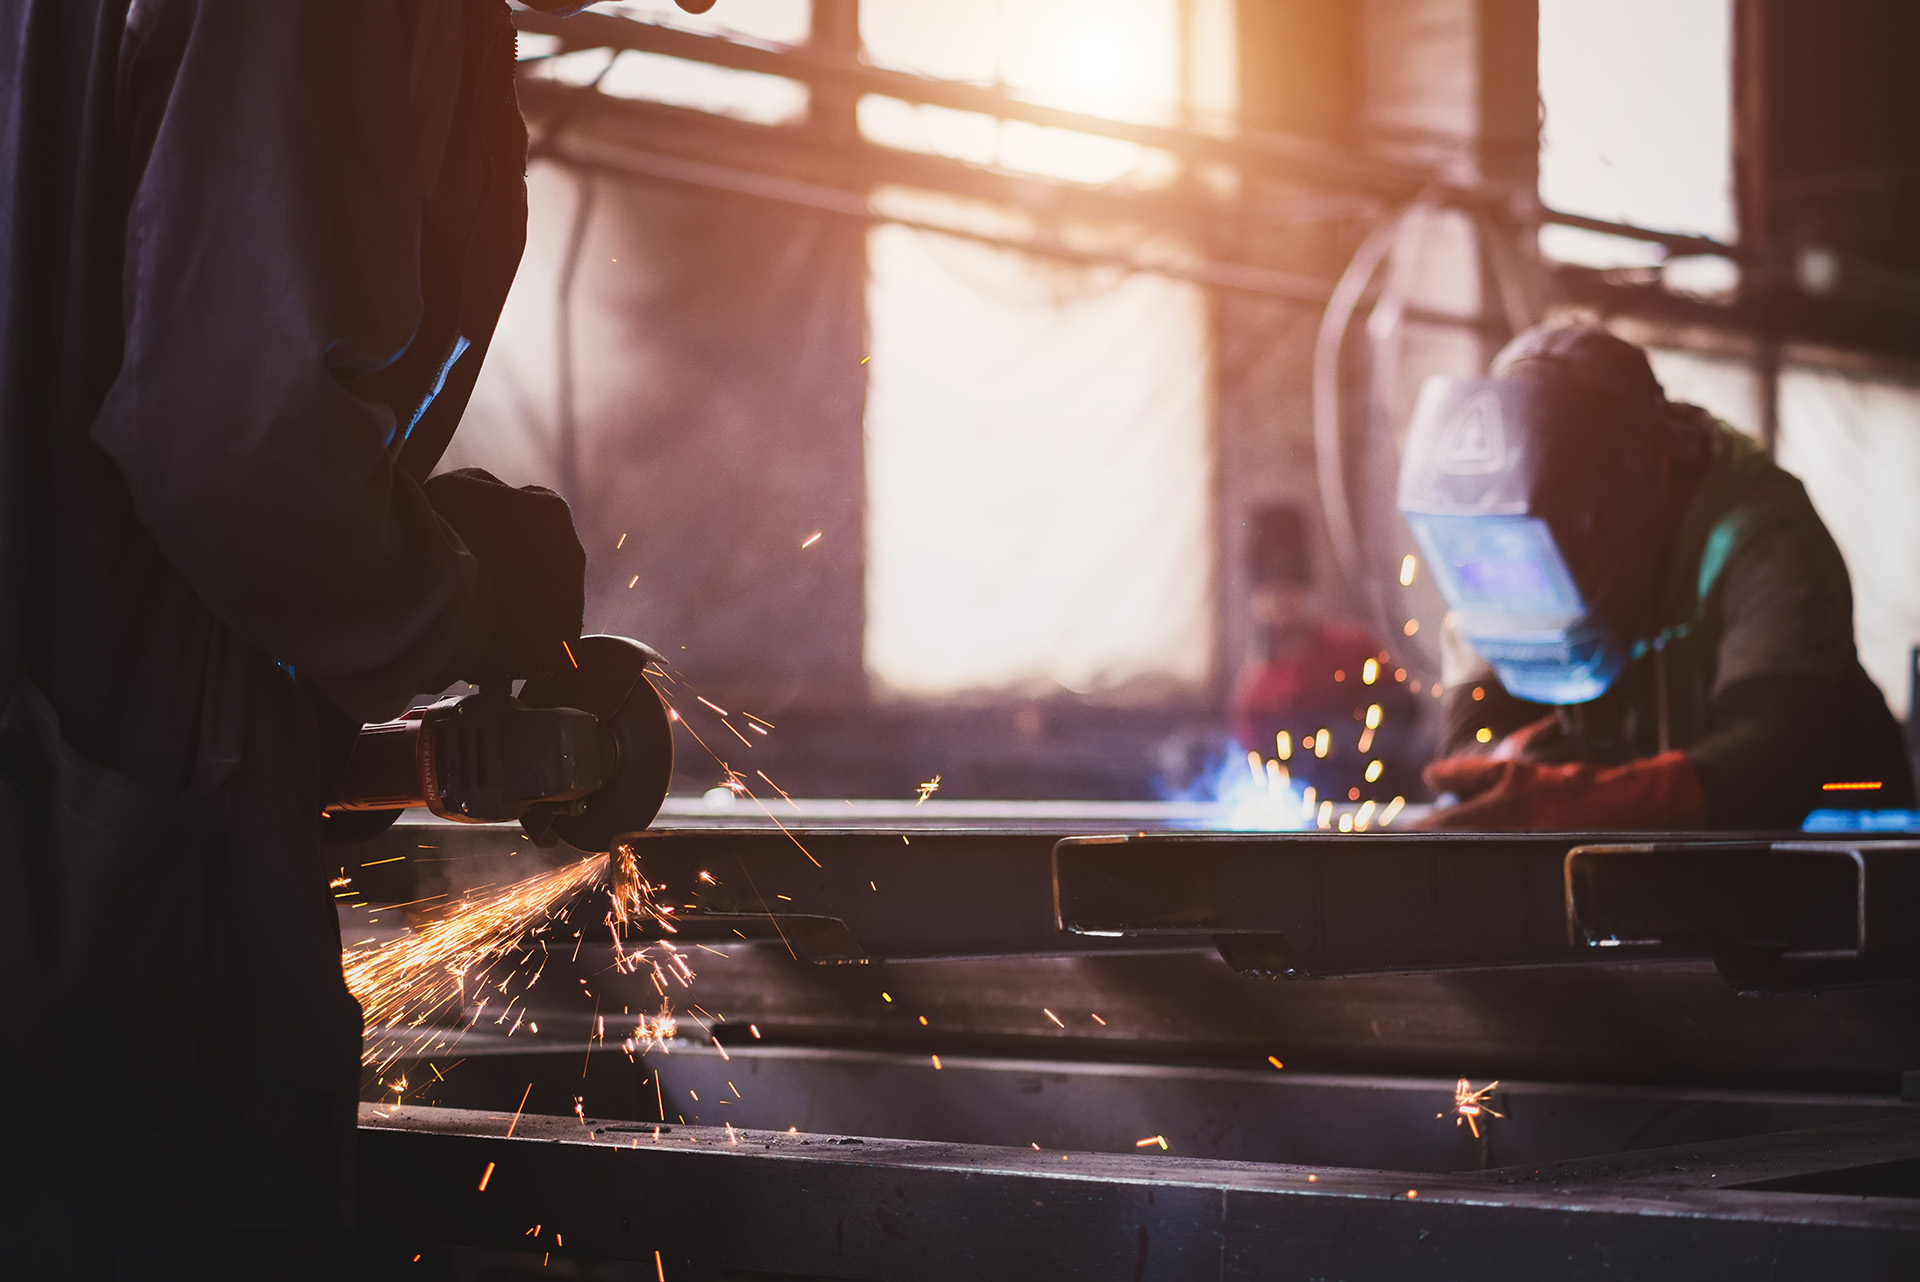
(422, 991)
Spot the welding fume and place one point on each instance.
(1649, 626)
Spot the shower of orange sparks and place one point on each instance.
(415, 990)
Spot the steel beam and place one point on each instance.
(1775, 915)
(960, 928)
(1405, 1123)
(705, 1201)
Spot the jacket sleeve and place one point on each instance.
(272, 263)
(1786, 646)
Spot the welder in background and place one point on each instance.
(1650, 627)
(251, 256)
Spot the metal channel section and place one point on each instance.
(704, 1201)
(1393, 1122)
(976, 1000)
(1304, 905)
(1772, 913)
(1780, 916)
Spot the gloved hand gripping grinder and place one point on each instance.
(584, 755)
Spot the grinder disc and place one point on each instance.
(611, 684)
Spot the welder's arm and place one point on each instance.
(1496, 714)
(1761, 767)
(1502, 791)
(1786, 648)
(1475, 702)
(1787, 641)
(273, 259)
(1764, 762)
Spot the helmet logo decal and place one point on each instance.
(1474, 442)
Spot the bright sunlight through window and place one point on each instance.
(1119, 59)
(1039, 488)
(1638, 122)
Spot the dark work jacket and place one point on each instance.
(243, 243)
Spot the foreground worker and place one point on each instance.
(251, 256)
(1650, 627)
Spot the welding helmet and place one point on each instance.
(1536, 496)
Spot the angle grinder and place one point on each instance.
(582, 756)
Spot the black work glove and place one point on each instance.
(524, 541)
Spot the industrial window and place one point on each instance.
(1146, 61)
(1038, 433)
(1638, 102)
(1039, 488)
(1851, 439)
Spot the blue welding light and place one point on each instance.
(1831, 820)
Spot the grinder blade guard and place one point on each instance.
(636, 741)
(584, 755)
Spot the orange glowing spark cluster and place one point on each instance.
(1470, 1106)
(422, 991)
(1274, 775)
(651, 1031)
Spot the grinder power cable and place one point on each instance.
(584, 755)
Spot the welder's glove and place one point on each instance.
(1525, 796)
(526, 545)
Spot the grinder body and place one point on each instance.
(584, 756)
